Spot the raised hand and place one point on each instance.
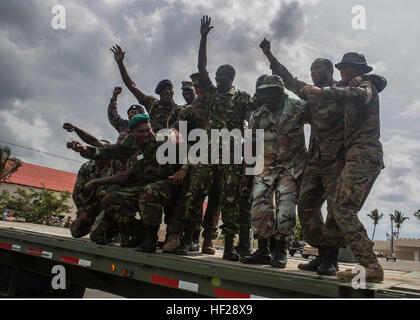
(205, 25)
(117, 91)
(76, 146)
(118, 53)
(68, 126)
(265, 45)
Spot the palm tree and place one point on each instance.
(8, 164)
(398, 218)
(417, 214)
(375, 216)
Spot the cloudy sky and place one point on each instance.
(51, 76)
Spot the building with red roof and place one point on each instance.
(33, 176)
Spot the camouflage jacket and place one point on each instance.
(325, 115)
(115, 119)
(87, 172)
(361, 119)
(229, 110)
(143, 160)
(284, 138)
(158, 112)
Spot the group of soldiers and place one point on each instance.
(123, 190)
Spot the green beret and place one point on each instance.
(137, 120)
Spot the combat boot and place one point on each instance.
(172, 243)
(185, 243)
(329, 266)
(208, 246)
(373, 273)
(137, 234)
(195, 244)
(279, 255)
(149, 242)
(229, 252)
(315, 263)
(261, 255)
(244, 246)
(125, 233)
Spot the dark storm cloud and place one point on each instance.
(289, 22)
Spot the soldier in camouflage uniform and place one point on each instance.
(158, 109)
(189, 96)
(88, 201)
(282, 119)
(326, 159)
(196, 117)
(363, 161)
(228, 108)
(148, 193)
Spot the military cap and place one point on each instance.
(138, 107)
(260, 80)
(271, 82)
(137, 120)
(355, 59)
(187, 85)
(195, 78)
(162, 85)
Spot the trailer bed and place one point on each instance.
(129, 273)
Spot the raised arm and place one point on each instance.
(291, 82)
(114, 117)
(119, 55)
(84, 135)
(202, 51)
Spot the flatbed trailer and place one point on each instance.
(28, 254)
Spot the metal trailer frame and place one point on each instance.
(129, 273)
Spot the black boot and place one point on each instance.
(195, 244)
(280, 254)
(261, 256)
(244, 246)
(313, 264)
(149, 242)
(229, 252)
(137, 234)
(125, 233)
(186, 242)
(329, 266)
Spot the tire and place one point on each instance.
(306, 256)
(292, 252)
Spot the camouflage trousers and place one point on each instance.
(87, 214)
(226, 178)
(273, 210)
(345, 186)
(120, 206)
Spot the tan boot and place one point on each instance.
(172, 243)
(208, 247)
(374, 273)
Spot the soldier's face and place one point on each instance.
(132, 113)
(348, 72)
(167, 94)
(223, 80)
(269, 96)
(188, 95)
(320, 73)
(142, 133)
